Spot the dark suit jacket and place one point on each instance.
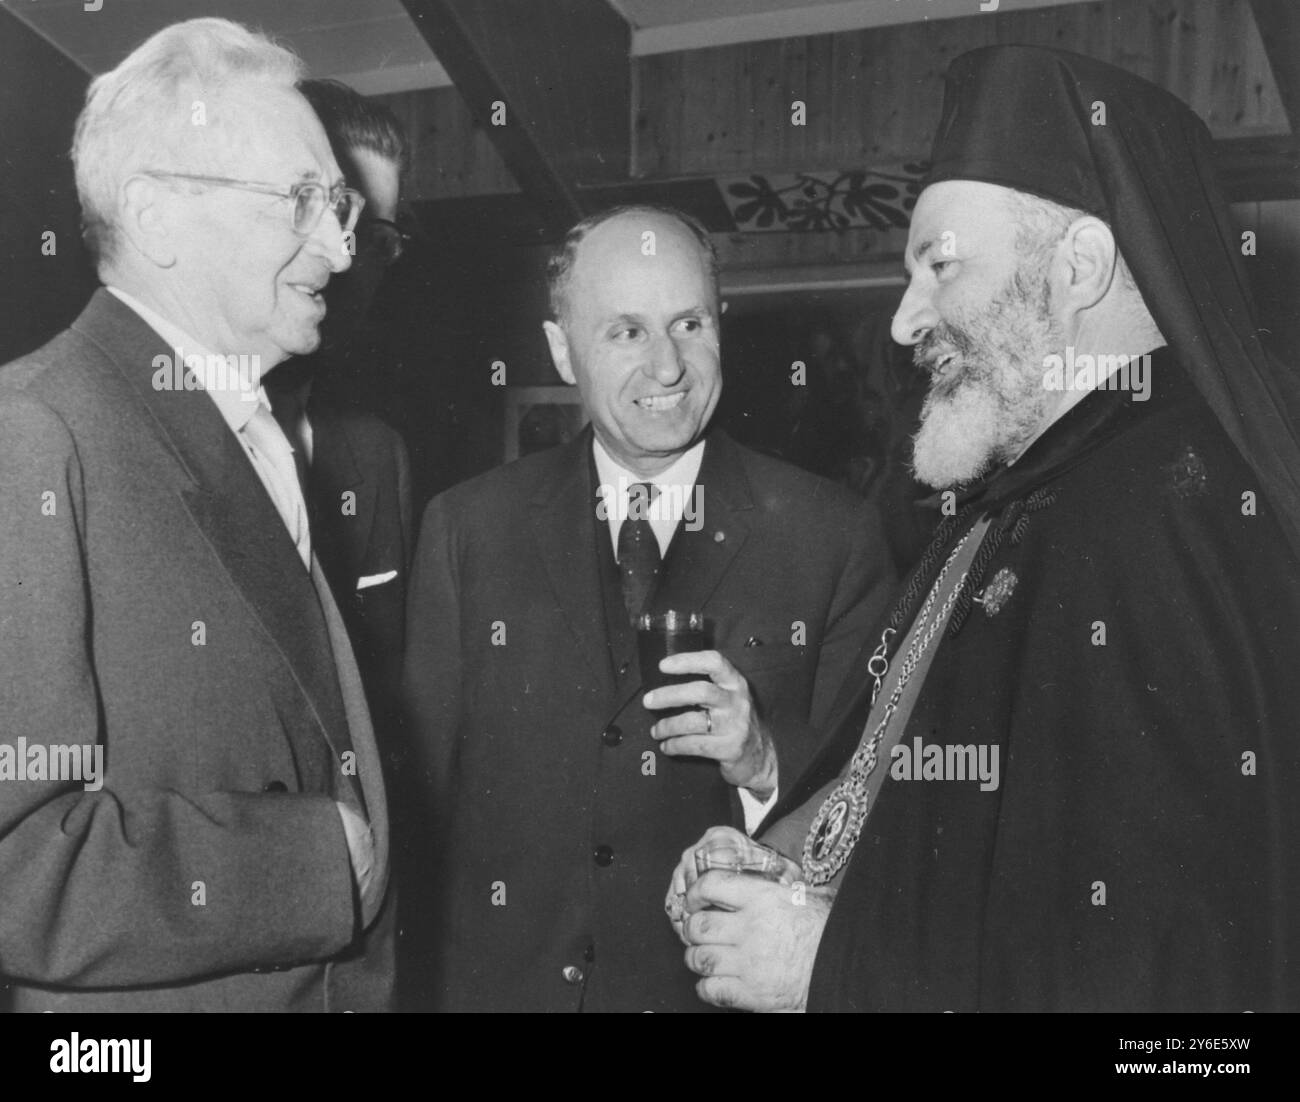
(156, 606)
(557, 822)
(359, 497)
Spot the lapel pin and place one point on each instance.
(998, 592)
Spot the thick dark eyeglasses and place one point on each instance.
(309, 198)
(385, 238)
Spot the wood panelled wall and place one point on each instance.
(451, 155)
(872, 96)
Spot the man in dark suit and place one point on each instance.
(192, 815)
(557, 785)
(354, 467)
(359, 500)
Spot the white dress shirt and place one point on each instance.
(675, 484)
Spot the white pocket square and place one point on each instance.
(376, 579)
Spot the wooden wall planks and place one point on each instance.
(451, 155)
(874, 96)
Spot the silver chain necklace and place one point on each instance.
(834, 832)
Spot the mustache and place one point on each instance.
(942, 341)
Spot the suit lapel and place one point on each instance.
(702, 549)
(562, 516)
(229, 505)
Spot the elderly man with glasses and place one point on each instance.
(192, 812)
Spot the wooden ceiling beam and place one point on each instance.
(561, 71)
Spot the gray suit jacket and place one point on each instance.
(151, 602)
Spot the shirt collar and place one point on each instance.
(236, 401)
(614, 477)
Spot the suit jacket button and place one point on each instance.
(275, 786)
(572, 974)
(604, 856)
(612, 735)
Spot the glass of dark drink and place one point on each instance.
(661, 634)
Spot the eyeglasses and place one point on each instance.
(386, 239)
(309, 198)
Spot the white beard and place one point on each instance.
(983, 423)
(994, 402)
(958, 438)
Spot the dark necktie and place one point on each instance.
(639, 561)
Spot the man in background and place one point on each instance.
(556, 785)
(353, 467)
(192, 812)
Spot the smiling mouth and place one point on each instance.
(311, 291)
(661, 403)
(944, 366)
(946, 374)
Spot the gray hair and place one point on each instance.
(1041, 223)
(142, 114)
(560, 266)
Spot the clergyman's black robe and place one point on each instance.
(1142, 685)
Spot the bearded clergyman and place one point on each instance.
(1065, 775)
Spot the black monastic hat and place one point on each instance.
(1091, 136)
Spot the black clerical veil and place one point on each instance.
(1088, 135)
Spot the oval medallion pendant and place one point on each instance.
(832, 834)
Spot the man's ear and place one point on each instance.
(559, 351)
(1088, 255)
(144, 220)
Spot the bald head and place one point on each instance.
(642, 218)
(635, 297)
